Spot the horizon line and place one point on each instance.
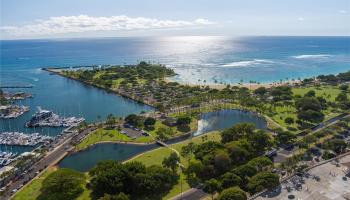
(155, 36)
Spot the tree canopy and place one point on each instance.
(232, 193)
(132, 178)
(62, 184)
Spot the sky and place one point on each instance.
(30, 19)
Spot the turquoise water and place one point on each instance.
(214, 59)
(217, 120)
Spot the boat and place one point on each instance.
(39, 116)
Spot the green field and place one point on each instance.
(101, 135)
(328, 92)
(283, 111)
(156, 157)
(32, 190)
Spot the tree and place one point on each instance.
(149, 121)
(222, 162)
(192, 172)
(281, 93)
(261, 163)
(311, 116)
(238, 152)
(132, 178)
(211, 186)
(308, 103)
(344, 87)
(120, 196)
(236, 132)
(259, 140)
(289, 120)
(285, 137)
(154, 183)
(342, 97)
(245, 171)
(310, 93)
(309, 109)
(183, 121)
(337, 145)
(188, 149)
(171, 161)
(62, 184)
(232, 193)
(261, 91)
(134, 120)
(206, 148)
(230, 179)
(261, 181)
(163, 133)
(110, 120)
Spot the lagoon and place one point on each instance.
(216, 120)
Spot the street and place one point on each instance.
(52, 157)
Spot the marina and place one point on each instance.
(21, 139)
(6, 158)
(48, 118)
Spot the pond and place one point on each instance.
(217, 120)
(87, 159)
(221, 119)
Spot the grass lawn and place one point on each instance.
(156, 157)
(101, 135)
(159, 124)
(32, 190)
(328, 92)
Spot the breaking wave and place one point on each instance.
(311, 56)
(247, 63)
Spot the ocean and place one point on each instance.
(201, 60)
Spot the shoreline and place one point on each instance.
(251, 86)
(57, 71)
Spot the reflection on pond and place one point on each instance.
(219, 120)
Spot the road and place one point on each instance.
(191, 194)
(61, 149)
(283, 154)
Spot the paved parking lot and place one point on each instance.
(329, 186)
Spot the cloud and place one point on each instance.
(342, 11)
(85, 23)
(301, 19)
